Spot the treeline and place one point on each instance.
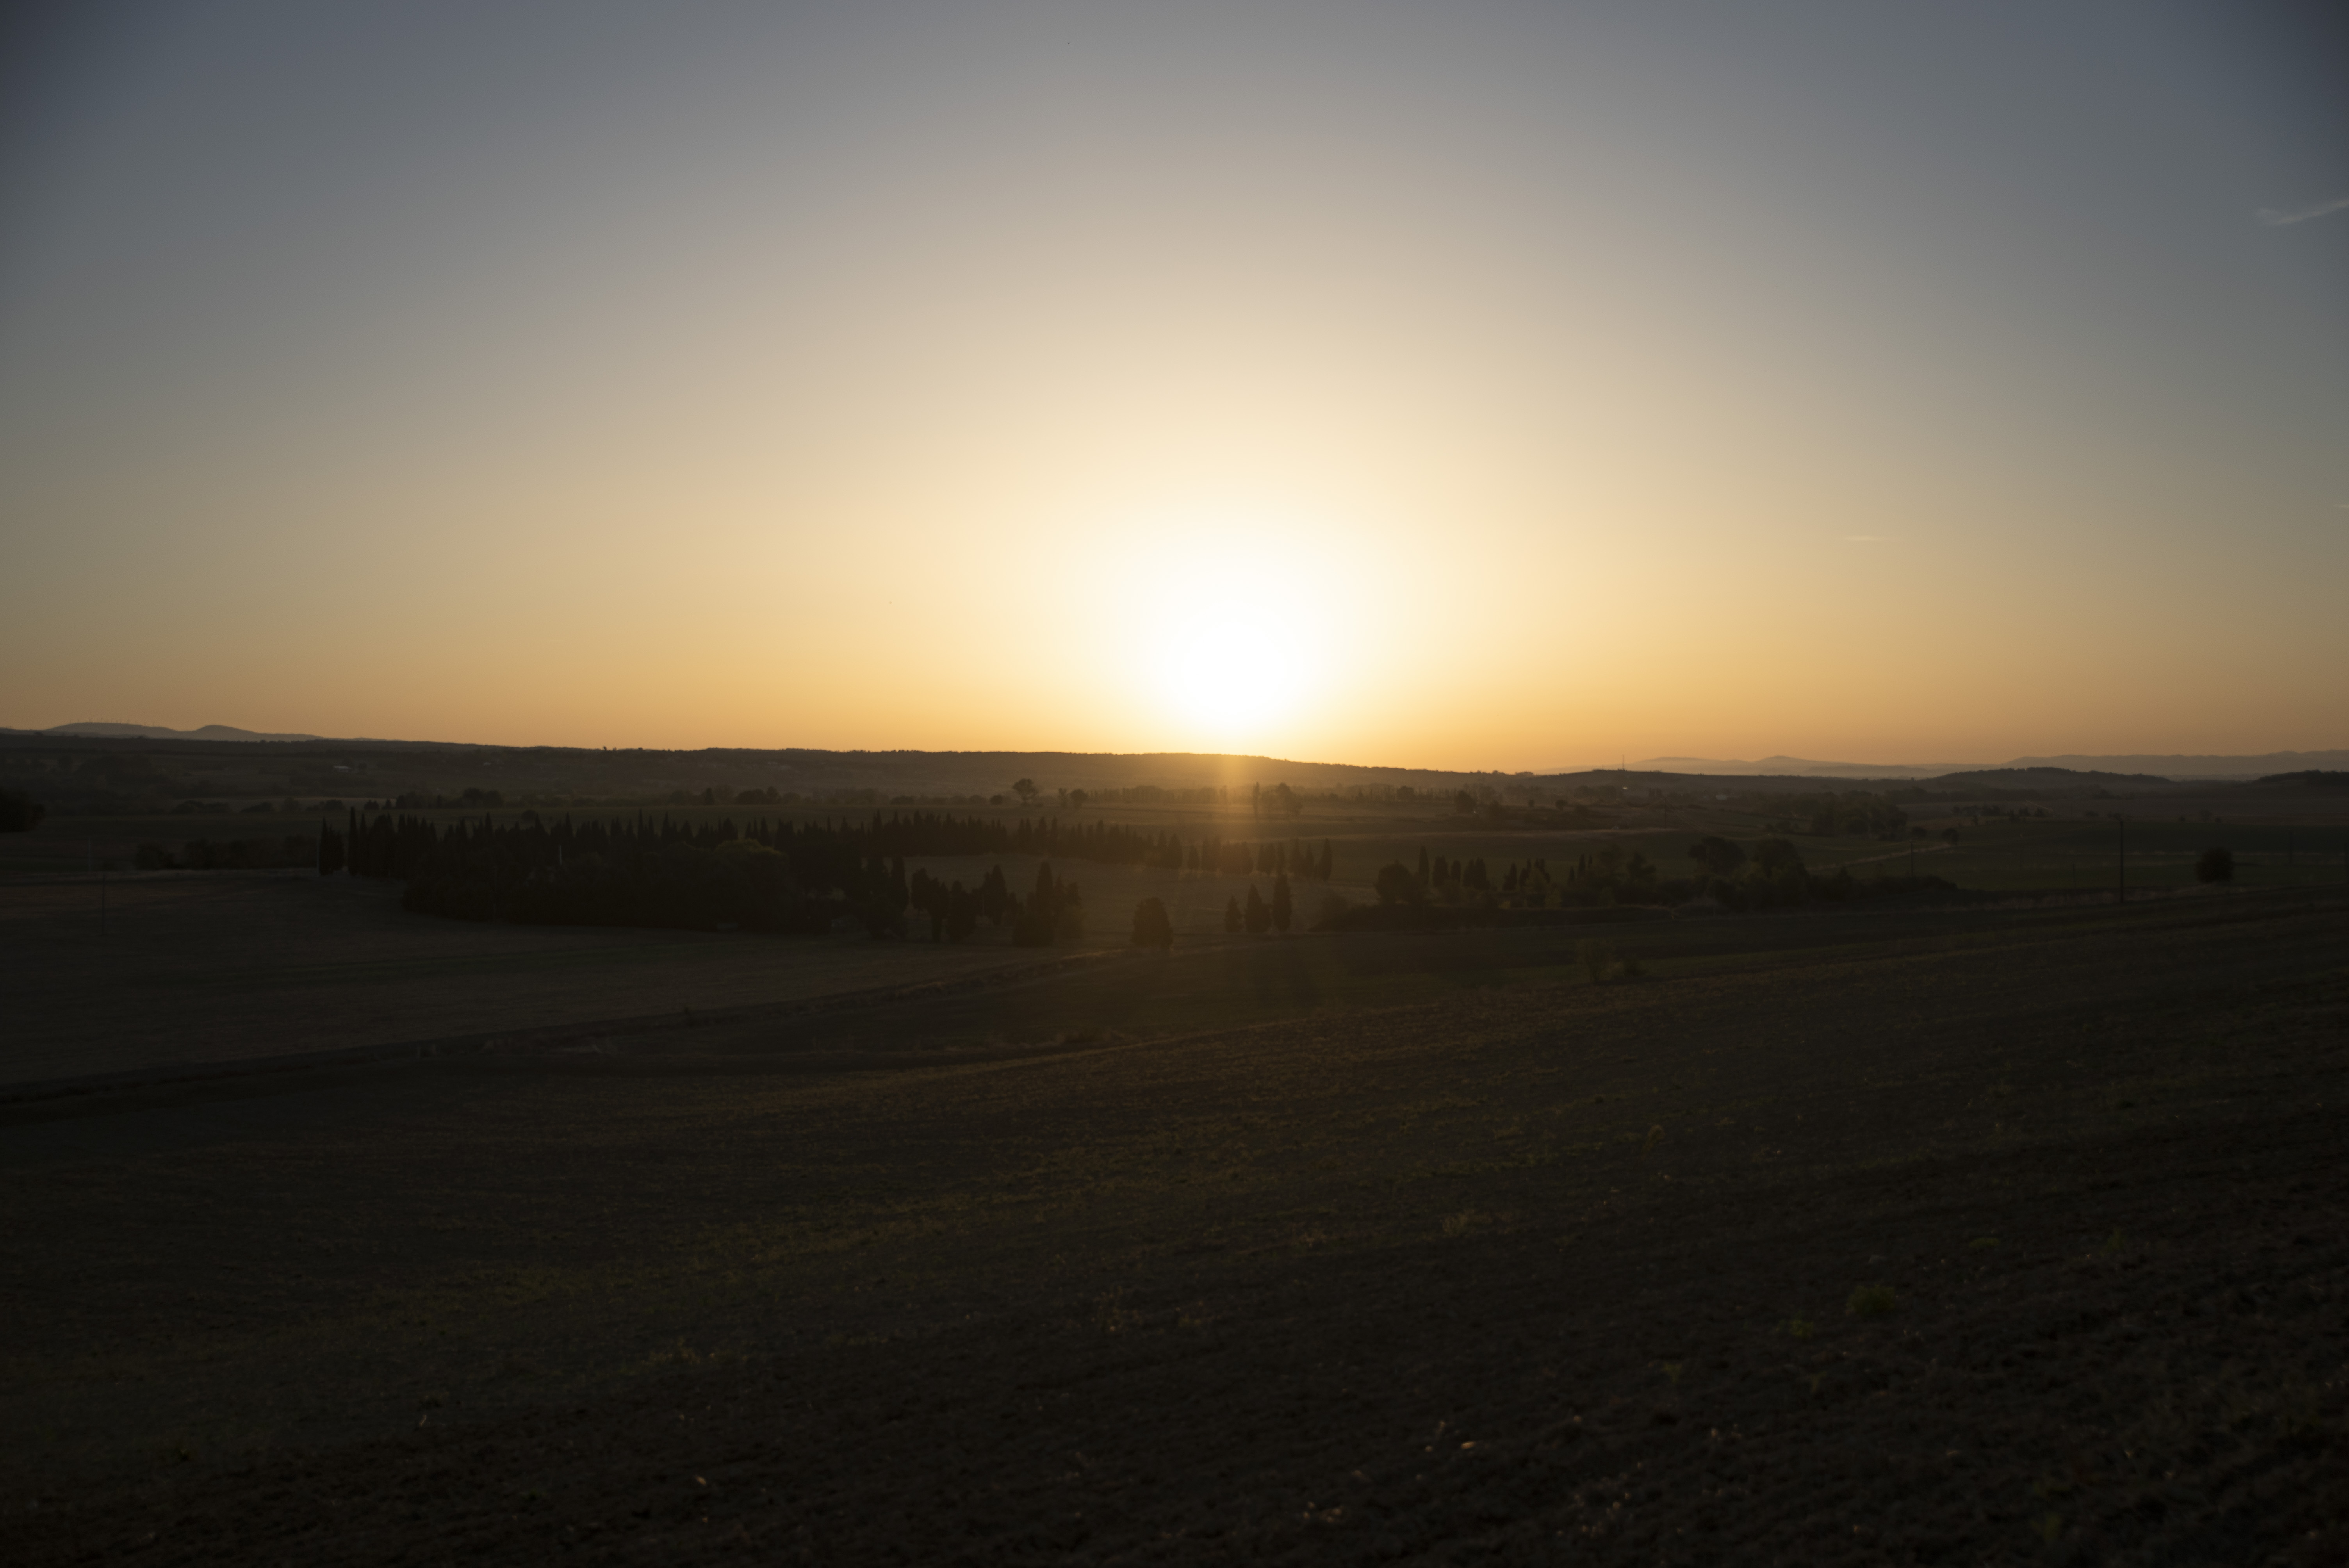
(783, 877)
(1768, 874)
(385, 845)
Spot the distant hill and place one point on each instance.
(157, 732)
(2258, 767)
(2170, 766)
(2045, 779)
(1803, 767)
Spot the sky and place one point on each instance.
(1453, 384)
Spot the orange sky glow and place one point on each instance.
(1443, 386)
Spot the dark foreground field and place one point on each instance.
(1523, 1269)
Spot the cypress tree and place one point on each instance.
(1281, 907)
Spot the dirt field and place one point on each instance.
(216, 966)
(1518, 1268)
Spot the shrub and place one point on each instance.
(1397, 884)
(2214, 866)
(1872, 1300)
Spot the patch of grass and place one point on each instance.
(1983, 1243)
(1872, 1300)
(1801, 1328)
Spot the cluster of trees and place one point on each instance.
(1255, 917)
(1855, 813)
(1770, 873)
(1055, 912)
(1471, 883)
(1265, 857)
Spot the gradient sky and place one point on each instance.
(1458, 384)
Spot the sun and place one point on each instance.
(1231, 618)
(1233, 674)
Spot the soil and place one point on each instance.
(2016, 1239)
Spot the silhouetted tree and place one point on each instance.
(962, 913)
(994, 896)
(1258, 917)
(1150, 926)
(1281, 908)
(1232, 919)
(1026, 790)
(1397, 885)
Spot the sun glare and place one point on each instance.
(1234, 676)
(1236, 654)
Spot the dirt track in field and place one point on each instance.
(1551, 1273)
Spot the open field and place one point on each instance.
(129, 971)
(1362, 1248)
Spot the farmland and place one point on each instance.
(1358, 1246)
(347, 1233)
